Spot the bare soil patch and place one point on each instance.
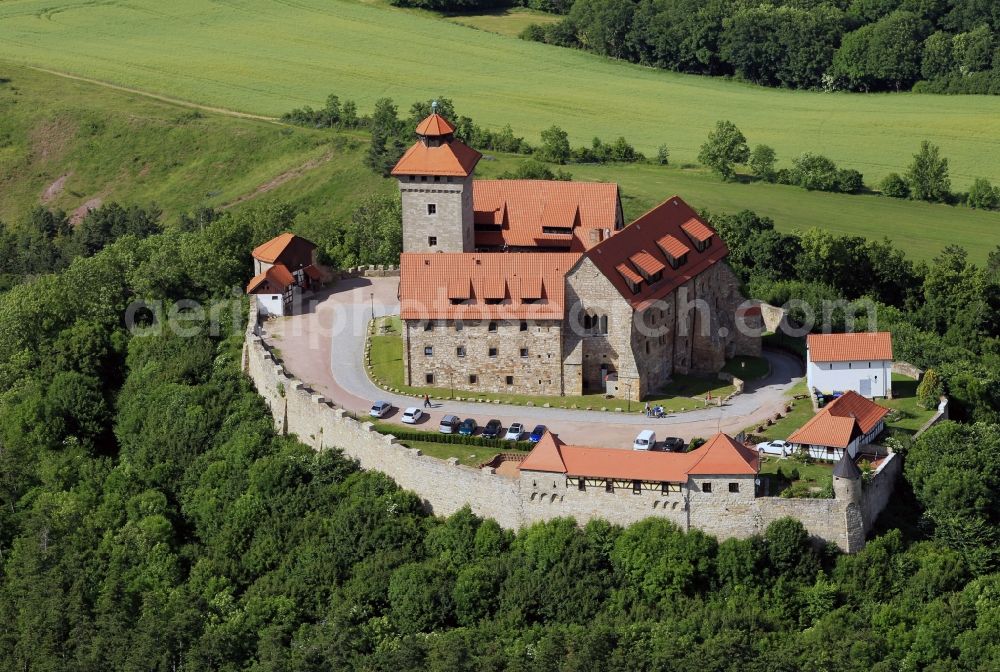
(53, 190)
(81, 212)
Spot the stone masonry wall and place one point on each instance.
(452, 222)
(537, 373)
(446, 486)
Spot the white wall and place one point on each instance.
(271, 304)
(828, 377)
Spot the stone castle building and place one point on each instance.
(537, 287)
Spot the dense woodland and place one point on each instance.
(934, 46)
(151, 520)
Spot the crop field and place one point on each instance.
(64, 143)
(263, 56)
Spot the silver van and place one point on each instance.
(645, 441)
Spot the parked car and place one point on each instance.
(776, 447)
(514, 432)
(492, 429)
(645, 441)
(449, 424)
(537, 433)
(380, 409)
(412, 415)
(468, 427)
(673, 444)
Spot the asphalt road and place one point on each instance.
(323, 345)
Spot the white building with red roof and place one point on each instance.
(283, 266)
(537, 287)
(845, 425)
(859, 362)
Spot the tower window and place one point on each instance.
(493, 352)
(473, 379)
(492, 327)
(460, 351)
(524, 352)
(429, 350)
(432, 241)
(510, 380)
(432, 208)
(429, 378)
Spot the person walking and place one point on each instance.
(427, 401)
(646, 409)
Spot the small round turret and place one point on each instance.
(847, 480)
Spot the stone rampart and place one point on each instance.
(446, 486)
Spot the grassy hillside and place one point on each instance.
(67, 144)
(267, 57)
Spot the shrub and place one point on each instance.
(662, 155)
(814, 172)
(533, 33)
(894, 186)
(762, 160)
(983, 195)
(930, 389)
(849, 181)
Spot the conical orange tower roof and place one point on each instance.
(437, 152)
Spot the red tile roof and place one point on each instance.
(428, 282)
(697, 229)
(670, 245)
(435, 126)
(646, 262)
(522, 208)
(270, 251)
(277, 276)
(841, 420)
(854, 347)
(645, 234)
(721, 456)
(451, 158)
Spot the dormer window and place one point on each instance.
(674, 250)
(632, 279)
(699, 233)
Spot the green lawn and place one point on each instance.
(267, 57)
(685, 393)
(801, 411)
(114, 145)
(747, 368)
(468, 455)
(803, 479)
(509, 22)
(908, 416)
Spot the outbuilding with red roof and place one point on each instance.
(860, 362)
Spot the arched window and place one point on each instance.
(604, 324)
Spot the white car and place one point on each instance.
(412, 415)
(380, 409)
(514, 432)
(645, 441)
(776, 447)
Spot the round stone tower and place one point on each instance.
(847, 480)
(435, 184)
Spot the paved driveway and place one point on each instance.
(323, 346)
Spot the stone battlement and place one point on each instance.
(446, 486)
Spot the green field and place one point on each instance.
(509, 22)
(65, 143)
(267, 57)
(117, 145)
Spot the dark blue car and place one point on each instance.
(537, 433)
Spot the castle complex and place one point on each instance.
(537, 287)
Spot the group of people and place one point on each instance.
(653, 411)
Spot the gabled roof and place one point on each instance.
(524, 208)
(645, 234)
(529, 285)
(840, 421)
(435, 126)
(855, 347)
(721, 456)
(724, 455)
(452, 158)
(272, 250)
(545, 456)
(278, 276)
